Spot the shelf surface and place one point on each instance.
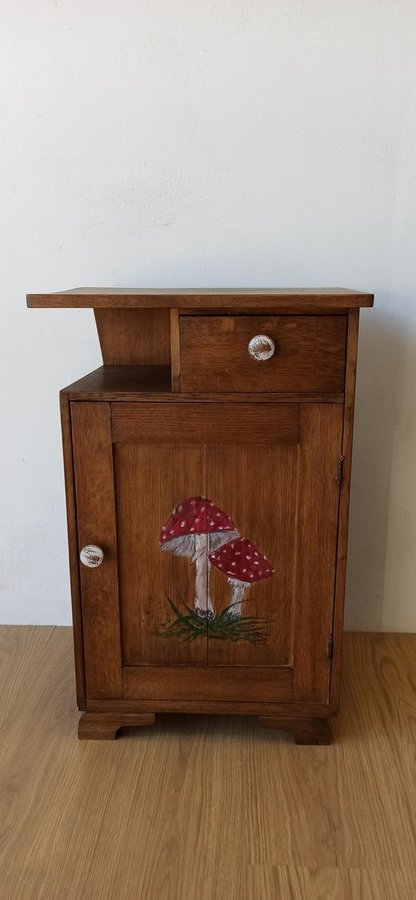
(203, 298)
(142, 383)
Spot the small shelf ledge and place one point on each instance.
(141, 383)
(116, 382)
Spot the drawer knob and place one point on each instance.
(261, 347)
(91, 556)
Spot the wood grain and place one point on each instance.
(220, 707)
(285, 496)
(303, 883)
(144, 383)
(175, 350)
(106, 727)
(320, 449)
(230, 683)
(344, 503)
(134, 818)
(273, 463)
(309, 355)
(132, 337)
(305, 730)
(258, 486)
(248, 298)
(71, 516)
(194, 422)
(150, 480)
(94, 485)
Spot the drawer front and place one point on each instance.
(304, 353)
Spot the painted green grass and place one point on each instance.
(225, 625)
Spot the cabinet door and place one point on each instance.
(176, 493)
(284, 497)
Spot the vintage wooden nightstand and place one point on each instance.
(207, 468)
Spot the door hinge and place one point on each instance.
(340, 470)
(330, 647)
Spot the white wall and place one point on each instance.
(193, 143)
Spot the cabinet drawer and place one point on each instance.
(308, 355)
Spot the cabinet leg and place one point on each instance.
(305, 731)
(104, 726)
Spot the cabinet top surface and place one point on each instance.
(203, 298)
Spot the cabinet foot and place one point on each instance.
(305, 731)
(104, 726)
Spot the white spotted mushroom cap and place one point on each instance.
(241, 561)
(195, 516)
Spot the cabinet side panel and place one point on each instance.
(320, 448)
(134, 337)
(73, 550)
(350, 376)
(94, 484)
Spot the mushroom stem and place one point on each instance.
(202, 566)
(237, 595)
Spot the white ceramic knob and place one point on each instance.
(261, 347)
(91, 556)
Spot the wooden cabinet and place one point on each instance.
(207, 505)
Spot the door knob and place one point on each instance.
(261, 347)
(91, 556)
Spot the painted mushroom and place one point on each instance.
(195, 528)
(244, 564)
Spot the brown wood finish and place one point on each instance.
(122, 382)
(187, 298)
(275, 493)
(279, 709)
(305, 731)
(71, 514)
(341, 568)
(143, 383)
(194, 422)
(258, 486)
(93, 466)
(179, 410)
(309, 355)
(149, 481)
(130, 337)
(105, 727)
(216, 683)
(314, 570)
(175, 350)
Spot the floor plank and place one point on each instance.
(206, 807)
(289, 883)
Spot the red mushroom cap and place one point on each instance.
(241, 560)
(197, 515)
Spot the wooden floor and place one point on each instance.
(206, 808)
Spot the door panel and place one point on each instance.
(280, 493)
(152, 478)
(150, 481)
(258, 487)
